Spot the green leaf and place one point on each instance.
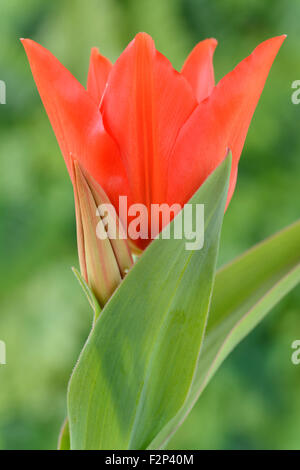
(64, 436)
(245, 291)
(137, 367)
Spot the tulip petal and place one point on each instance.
(99, 70)
(218, 123)
(76, 121)
(145, 104)
(198, 68)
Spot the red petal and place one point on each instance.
(99, 70)
(144, 106)
(198, 68)
(218, 123)
(76, 121)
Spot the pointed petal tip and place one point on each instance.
(143, 38)
(94, 52)
(269, 47)
(32, 48)
(27, 42)
(141, 43)
(210, 42)
(142, 35)
(281, 37)
(198, 68)
(24, 42)
(276, 39)
(213, 42)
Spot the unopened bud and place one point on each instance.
(103, 262)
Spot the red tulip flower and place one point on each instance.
(143, 130)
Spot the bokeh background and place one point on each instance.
(253, 401)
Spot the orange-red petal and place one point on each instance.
(76, 121)
(198, 68)
(145, 104)
(218, 123)
(99, 70)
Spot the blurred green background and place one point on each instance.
(253, 402)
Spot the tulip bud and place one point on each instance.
(103, 261)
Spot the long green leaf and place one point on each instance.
(138, 364)
(64, 435)
(245, 291)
